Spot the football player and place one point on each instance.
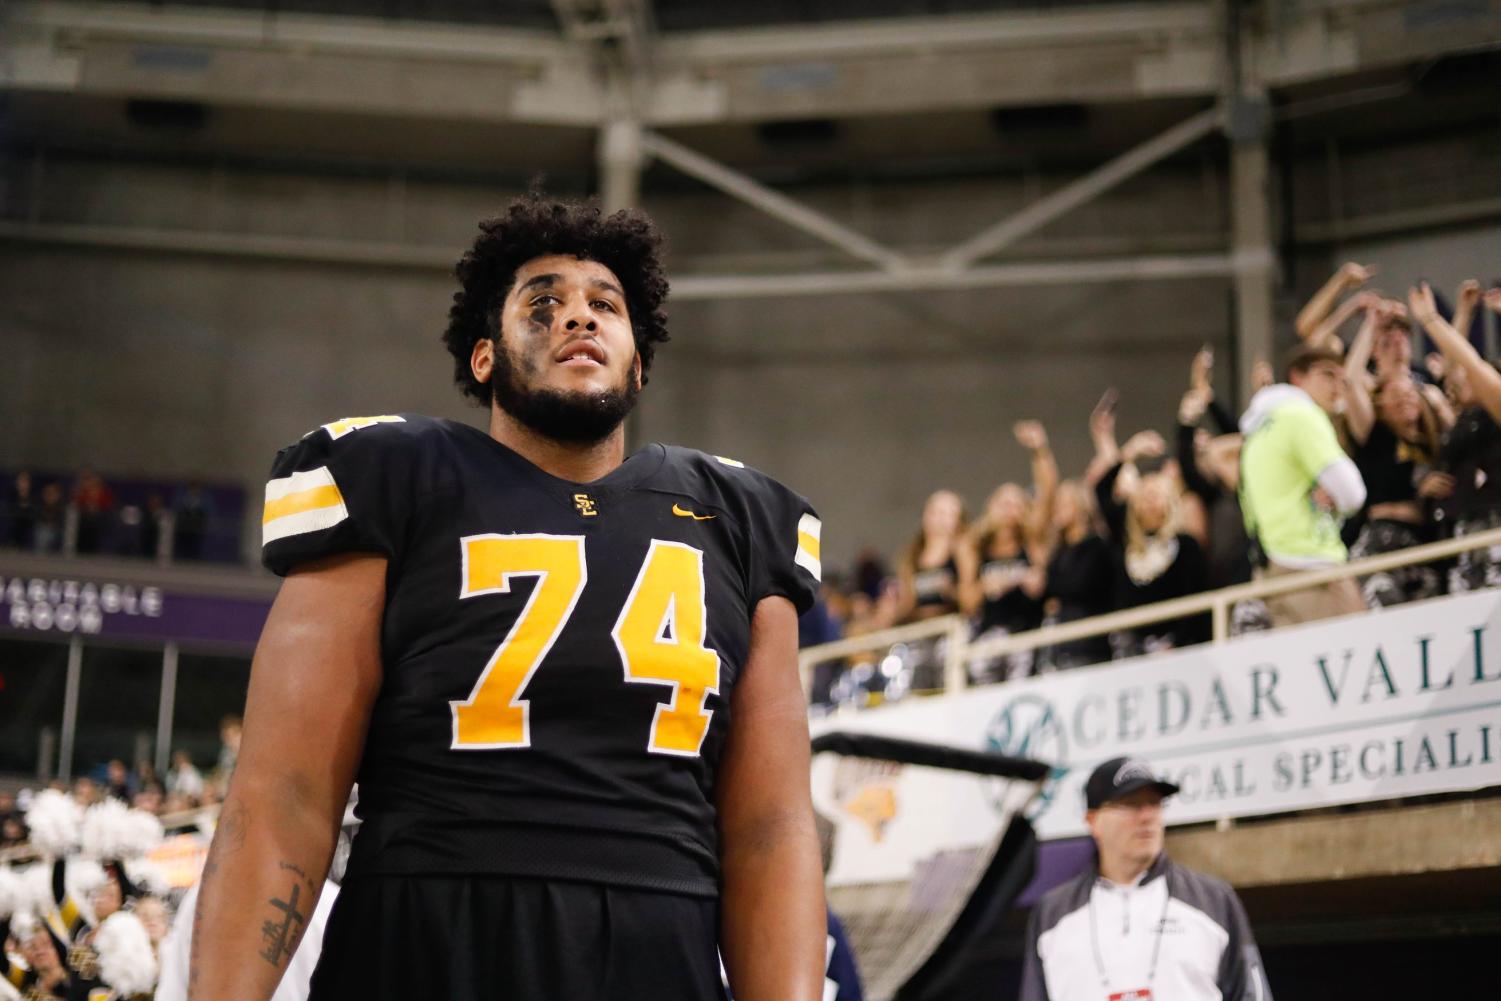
(564, 679)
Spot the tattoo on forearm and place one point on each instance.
(294, 867)
(281, 933)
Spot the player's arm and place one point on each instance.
(774, 924)
(315, 675)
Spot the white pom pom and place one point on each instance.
(7, 992)
(24, 890)
(145, 831)
(148, 877)
(126, 961)
(13, 895)
(81, 878)
(36, 888)
(111, 830)
(23, 925)
(54, 820)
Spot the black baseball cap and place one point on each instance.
(1120, 777)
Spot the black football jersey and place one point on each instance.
(558, 657)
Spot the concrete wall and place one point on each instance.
(1445, 258)
(867, 405)
(173, 365)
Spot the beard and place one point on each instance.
(577, 418)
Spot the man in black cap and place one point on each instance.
(1136, 926)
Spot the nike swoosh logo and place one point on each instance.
(689, 514)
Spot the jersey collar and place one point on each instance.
(637, 467)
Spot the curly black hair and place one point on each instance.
(627, 243)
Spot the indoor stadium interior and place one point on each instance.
(1006, 289)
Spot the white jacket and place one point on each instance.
(1179, 933)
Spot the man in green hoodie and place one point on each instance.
(1298, 485)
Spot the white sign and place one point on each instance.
(69, 606)
(1393, 703)
(892, 820)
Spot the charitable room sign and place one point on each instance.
(51, 607)
(1392, 703)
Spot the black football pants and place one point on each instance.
(501, 938)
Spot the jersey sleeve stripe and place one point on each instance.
(305, 500)
(297, 483)
(808, 544)
(809, 534)
(308, 501)
(340, 428)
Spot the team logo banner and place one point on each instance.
(1394, 703)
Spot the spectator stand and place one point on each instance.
(961, 648)
(1342, 775)
(108, 657)
(155, 519)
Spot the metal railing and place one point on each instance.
(960, 649)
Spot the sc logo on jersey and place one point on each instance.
(1027, 727)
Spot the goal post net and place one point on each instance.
(927, 848)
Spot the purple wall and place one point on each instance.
(55, 607)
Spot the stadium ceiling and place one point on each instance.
(719, 92)
(792, 69)
(666, 15)
(727, 93)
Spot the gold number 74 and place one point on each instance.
(659, 635)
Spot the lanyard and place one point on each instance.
(1094, 938)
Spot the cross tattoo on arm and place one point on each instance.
(281, 938)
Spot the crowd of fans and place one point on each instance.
(1366, 446)
(111, 907)
(1414, 455)
(183, 788)
(82, 514)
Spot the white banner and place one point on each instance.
(892, 820)
(1393, 703)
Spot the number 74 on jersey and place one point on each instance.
(659, 636)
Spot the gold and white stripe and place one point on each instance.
(343, 426)
(309, 501)
(809, 532)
